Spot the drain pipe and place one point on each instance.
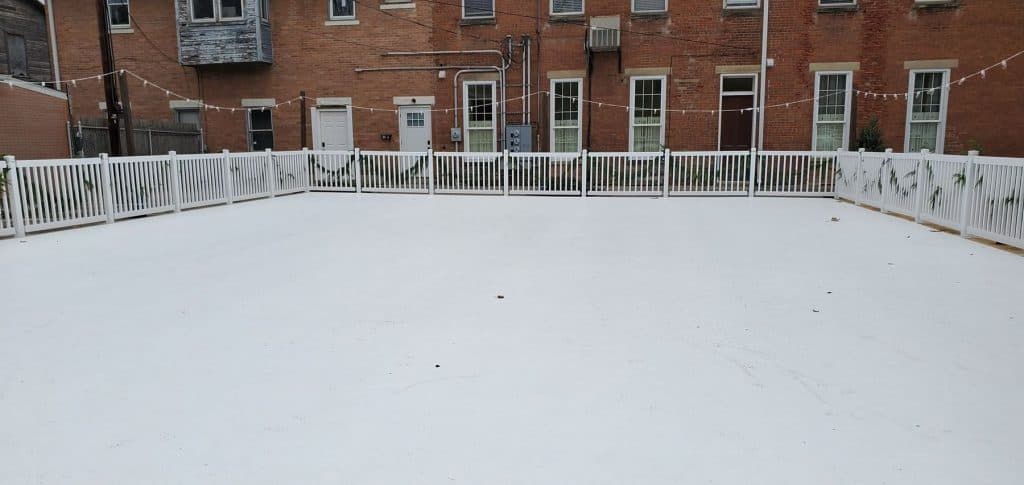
(53, 44)
(527, 88)
(764, 77)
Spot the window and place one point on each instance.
(211, 10)
(343, 9)
(261, 129)
(477, 9)
(742, 3)
(415, 120)
(832, 110)
(479, 116)
(566, 7)
(649, 6)
(17, 58)
(187, 116)
(565, 115)
(830, 3)
(647, 110)
(926, 111)
(118, 15)
(265, 10)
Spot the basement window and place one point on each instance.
(118, 14)
(477, 9)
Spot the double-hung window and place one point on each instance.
(477, 9)
(479, 117)
(926, 111)
(566, 7)
(343, 9)
(832, 110)
(650, 6)
(565, 115)
(261, 129)
(213, 10)
(117, 14)
(647, 113)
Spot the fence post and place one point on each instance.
(430, 171)
(504, 172)
(967, 203)
(860, 167)
(884, 192)
(358, 162)
(835, 172)
(584, 182)
(228, 183)
(271, 172)
(14, 195)
(108, 191)
(305, 166)
(920, 195)
(752, 172)
(175, 181)
(665, 171)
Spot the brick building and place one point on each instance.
(641, 63)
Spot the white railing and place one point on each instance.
(546, 173)
(625, 173)
(982, 196)
(795, 173)
(709, 173)
(469, 173)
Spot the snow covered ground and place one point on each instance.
(343, 339)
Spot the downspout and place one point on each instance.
(764, 77)
(53, 43)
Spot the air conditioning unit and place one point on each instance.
(604, 34)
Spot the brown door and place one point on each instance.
(737, 126)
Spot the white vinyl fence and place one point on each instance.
(978, 196)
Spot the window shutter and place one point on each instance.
(649, 5)
(567, 6)
(479, 8)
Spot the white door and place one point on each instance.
(334, 130)
(414, 128)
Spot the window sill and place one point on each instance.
(741, 12)
(398, 6)
(331, 23)
(838, 8)
(478, 21)
(122, 30)
(566, 18)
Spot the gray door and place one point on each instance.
(414, 128)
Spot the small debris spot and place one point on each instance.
(501, 297)
(437, 366)
(815, 310)
(835, 219)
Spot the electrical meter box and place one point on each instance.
(519, 138)
(456, 135)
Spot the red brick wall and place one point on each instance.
(32, 125)
(694, 38)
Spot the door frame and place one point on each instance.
(722, 94)
(315, 118)
(428, 117)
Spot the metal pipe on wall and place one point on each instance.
(763, 95)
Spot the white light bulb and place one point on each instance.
(983, 74)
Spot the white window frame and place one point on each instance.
(465, 114)
(843, 3)
(661, 111)
(579, 113)
(940, 137)
(632, 8)
(330, 11)
(551, 9)
(725, 5)
(110, 23)
(475, 17)
(722, 93)
(217, 17)
(846, 107)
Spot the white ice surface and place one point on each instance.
(640, 341)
